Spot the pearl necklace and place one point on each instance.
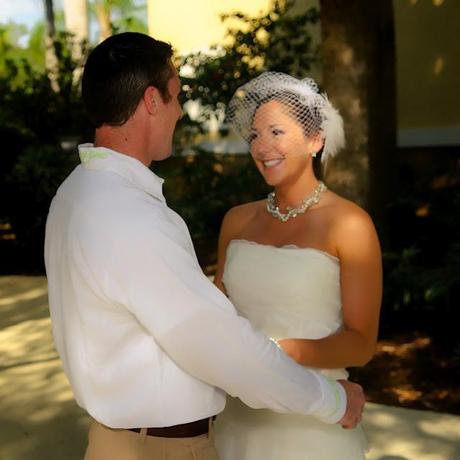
(306, 204)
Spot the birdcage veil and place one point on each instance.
(302, 99)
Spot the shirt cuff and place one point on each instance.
(334, 402)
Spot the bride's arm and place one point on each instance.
(232, 227)
(361, 291)
(224, 239)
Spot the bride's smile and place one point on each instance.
(279, 146)
(269, 164)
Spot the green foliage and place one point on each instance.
(34, 122)
(129, 24)
(33, 108)
(14, 58)
(35, 177)
(277, 41)
(36, 47)
(125, 15)
(32, 55)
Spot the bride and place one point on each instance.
(304, 266)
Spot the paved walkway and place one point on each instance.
(40, 421)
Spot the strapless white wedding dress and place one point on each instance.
(285, 292)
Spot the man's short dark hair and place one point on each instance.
(117, 73)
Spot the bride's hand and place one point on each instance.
(290, 347)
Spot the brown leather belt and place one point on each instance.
(185, 430)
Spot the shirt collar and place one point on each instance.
(104, 159)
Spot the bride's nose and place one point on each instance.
(261, 147)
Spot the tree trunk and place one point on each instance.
(51, 61)
(49, 13)
(359, 76)
(77, 23)
(103, 12)
(76, 18)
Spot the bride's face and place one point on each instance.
(279, 147)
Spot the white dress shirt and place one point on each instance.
(145, 338)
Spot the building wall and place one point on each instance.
(192, 25)
(428, 71)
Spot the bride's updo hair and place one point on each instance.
(309, 108)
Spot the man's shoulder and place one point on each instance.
(102, 189)
(103, 202)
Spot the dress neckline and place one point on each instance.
(286, 247)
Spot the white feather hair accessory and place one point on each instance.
(311, 109)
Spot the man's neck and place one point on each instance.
(122, 140)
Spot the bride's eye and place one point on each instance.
(252, 136)
(277, 132)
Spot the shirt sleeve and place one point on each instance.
(197, 326)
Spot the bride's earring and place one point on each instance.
(313, 155)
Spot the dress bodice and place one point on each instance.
(287, 292)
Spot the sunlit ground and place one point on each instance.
(39, 419)
(405, 434)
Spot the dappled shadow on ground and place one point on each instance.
(57, 436)
(420, 372)
(38, 415)
(397, 433)
(41, 421)
(22, 298)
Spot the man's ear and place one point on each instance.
(151, 100)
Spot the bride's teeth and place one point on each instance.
(270, 163)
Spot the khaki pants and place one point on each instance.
(110, 444)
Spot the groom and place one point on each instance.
(149, 345)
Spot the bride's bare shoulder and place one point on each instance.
(350, 222)
(239, 217)
(345, 210)
(246, 210)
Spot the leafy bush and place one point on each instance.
(35, 122)
(422, 261)
(34, 179)
(277, 41)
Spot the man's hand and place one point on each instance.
(355, 404)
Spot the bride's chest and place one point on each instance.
(303, 231)
(297, 278)
(283, 283)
